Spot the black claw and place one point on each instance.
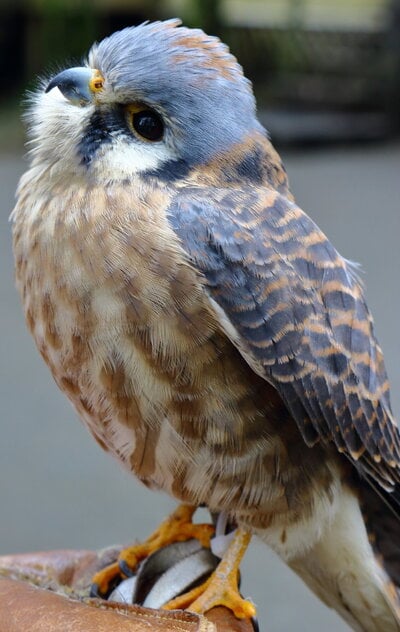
(255, 625)
(95, 592)
(125, 569)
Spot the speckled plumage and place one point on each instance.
(204, 328)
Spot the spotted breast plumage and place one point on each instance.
(204, 328)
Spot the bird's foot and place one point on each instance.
(178, 527)
(221, 589)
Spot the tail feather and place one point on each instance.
(381, 511)
(349, 568)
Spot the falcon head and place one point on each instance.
(157, 98)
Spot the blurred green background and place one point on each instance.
(326, 74)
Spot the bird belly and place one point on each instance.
(196, 424)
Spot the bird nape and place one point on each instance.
(206, 331)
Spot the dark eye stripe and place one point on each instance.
(98, 131)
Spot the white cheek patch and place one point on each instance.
(123, 157)
(57, 130)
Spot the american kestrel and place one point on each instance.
(205, 329)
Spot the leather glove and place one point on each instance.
(47, 592)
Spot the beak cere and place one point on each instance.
(78, 85)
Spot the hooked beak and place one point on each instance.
(78, 85)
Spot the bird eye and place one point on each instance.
(145, 122)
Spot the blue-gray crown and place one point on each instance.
(191, 76)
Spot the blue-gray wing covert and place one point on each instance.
(299, 317)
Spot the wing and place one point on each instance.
(295, 309)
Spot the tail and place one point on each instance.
(355, 566)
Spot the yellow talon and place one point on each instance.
(221, 589)
(178, 527)
(103, 581)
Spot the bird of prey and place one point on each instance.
(205, 329)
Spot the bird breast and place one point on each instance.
(123, 321)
